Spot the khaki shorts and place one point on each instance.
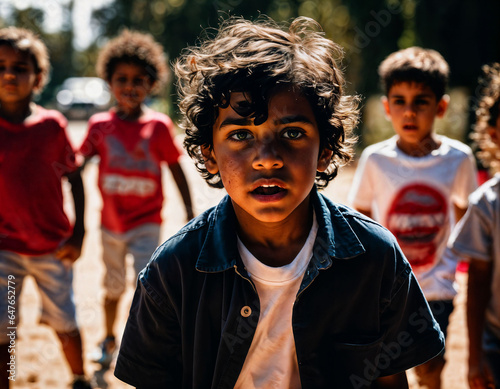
(54, 281)
(141, 242)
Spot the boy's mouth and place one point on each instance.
(411, 127)
(267, 190)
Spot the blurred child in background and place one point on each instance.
(417, 182)
(132, 141)
(36, 238)
(477, 237)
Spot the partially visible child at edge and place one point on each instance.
(36, 237)
(417, 182)
(477, 237)
(132, 141)
(276, 285)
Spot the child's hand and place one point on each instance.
(69, 251)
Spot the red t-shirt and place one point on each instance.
(34, 156)
(131, 153)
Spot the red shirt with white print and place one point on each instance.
(131, 153)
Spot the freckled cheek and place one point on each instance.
(232, 171)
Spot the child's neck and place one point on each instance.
(130, 114)
(420, 149)
(18, 112)
(276, 244)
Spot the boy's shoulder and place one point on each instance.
(455, 146)
(48, 116)
(101, 117)
(387, 147)
(489, 192)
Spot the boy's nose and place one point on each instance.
(410, 111)
(9, 74)
(267, 156)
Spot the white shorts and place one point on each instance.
(141, 242)
(54, 280)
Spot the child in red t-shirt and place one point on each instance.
(36, 238)
(132, 142)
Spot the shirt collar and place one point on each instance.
(335, 239)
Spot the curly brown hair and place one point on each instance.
(136, 48)
(487, 114)
(27, 42)
(415, 64)
(256, 56)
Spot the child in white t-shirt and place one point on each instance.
(417, 182)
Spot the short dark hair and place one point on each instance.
(27, 42)
(415, 64)
(136, 48)
(256, 56)
(487, 113)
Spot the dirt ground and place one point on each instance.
(40, 361)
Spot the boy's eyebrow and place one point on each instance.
(248, 121)
(239, 121)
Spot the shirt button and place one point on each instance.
(246, 311)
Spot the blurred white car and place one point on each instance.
(81, 97)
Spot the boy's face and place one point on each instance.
(412, 108)
(130, 85)
(18, 79)
(268, 170)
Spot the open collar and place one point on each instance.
(335, 239)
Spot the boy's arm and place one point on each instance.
(71, 249)
(182, 184)
(478, 296)
(395, 381)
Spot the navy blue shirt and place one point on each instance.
(359, 313)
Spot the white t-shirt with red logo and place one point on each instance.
(131, 154)
(414, 198)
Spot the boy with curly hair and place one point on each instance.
(36, 237)
(276, 286)
(476, 238)
(417, 182)
(133, 142)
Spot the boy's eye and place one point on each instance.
(139, 81)
(399, 102)
(293, 133)
(20, 69)
(421, 102)
(240, 136)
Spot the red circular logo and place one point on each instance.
(417, 218)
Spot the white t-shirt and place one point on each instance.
(271, 361)
(414, 198)
(477, 236)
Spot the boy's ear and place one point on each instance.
(210, 161)
(387, 109)
(442, 106)
(324, 159)
(38, 81)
